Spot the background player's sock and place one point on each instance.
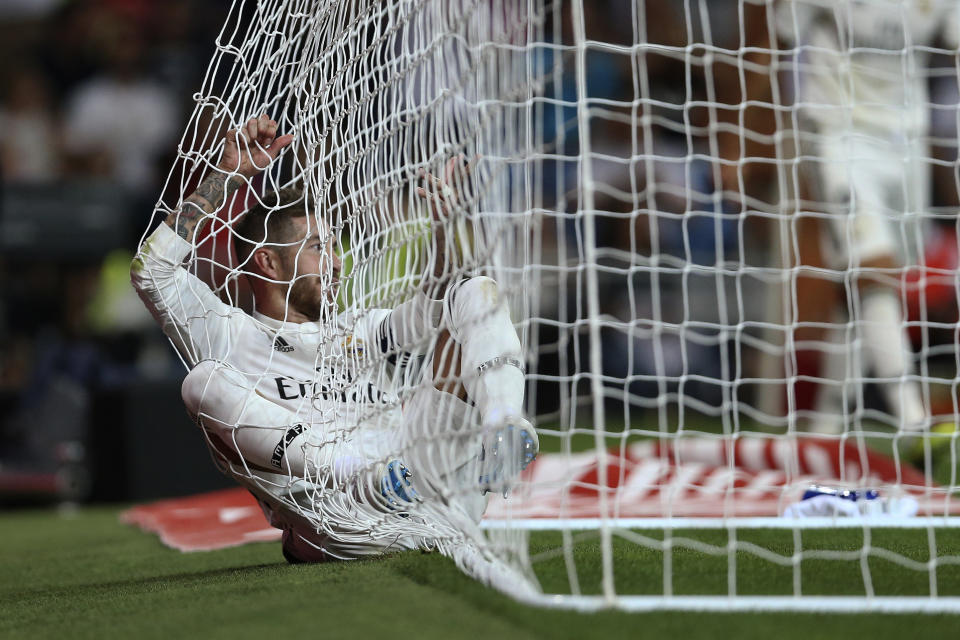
(830, 403)
(886, 352)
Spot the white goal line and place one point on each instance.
(580, 524)
(737, 603)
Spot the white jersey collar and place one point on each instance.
(287, 327)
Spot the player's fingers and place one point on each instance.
(439, 205)
(241, 136)
(439, 190)
(230, 149)
(270, 132)
(252, 129)
(429, 195)
(460, 171)
(429, 179)
(444, 191)
(265, 137)
(230, 137)
(279, 144)
(450, 168)
(469, 165)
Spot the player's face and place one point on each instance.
(314, 268)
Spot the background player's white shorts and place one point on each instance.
(875, 186)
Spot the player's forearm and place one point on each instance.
(410, 326)
(446, 262)
(176, 298)
(208, 198)
(440, 262)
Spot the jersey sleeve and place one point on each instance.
(408, 328)
(196, 320)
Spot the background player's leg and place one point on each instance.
(884, 196)
(886, 351)
(831, 401)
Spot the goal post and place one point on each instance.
(709, 221)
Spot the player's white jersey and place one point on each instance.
(333, 376)
(861, 63)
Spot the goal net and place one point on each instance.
(726, 235)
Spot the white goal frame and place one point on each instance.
(577, 188)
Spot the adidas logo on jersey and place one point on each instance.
(281, 345)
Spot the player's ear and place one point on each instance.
(268, 263)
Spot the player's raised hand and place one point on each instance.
(251, 148)
(444, 193)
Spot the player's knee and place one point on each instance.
(195, 385)
(472, 296)
(879, 272)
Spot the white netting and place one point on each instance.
(376, 95)
(712, 224)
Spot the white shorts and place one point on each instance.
(439, 442)
(875, 188)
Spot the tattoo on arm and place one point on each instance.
(206, 200)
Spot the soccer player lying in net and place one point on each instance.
(302, 412)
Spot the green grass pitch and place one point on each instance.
(89, 576)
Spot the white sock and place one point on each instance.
(830, 406)
(478, 319)
(886, 351)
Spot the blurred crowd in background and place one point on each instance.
(94, 95)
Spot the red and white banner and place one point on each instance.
(205, 522)
(709, 478)
(699, 477)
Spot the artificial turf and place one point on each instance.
(87, 575)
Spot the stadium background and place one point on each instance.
(94, 98)
(94, 95)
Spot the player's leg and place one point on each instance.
(491, 359)
(264, 435)
(267, 437)
(446, 442)
(884, 194)
(886, 347)
(818, 228)
(307, 541)
(861, 183)
(819, 346)
(830, 414)
(492, 373)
